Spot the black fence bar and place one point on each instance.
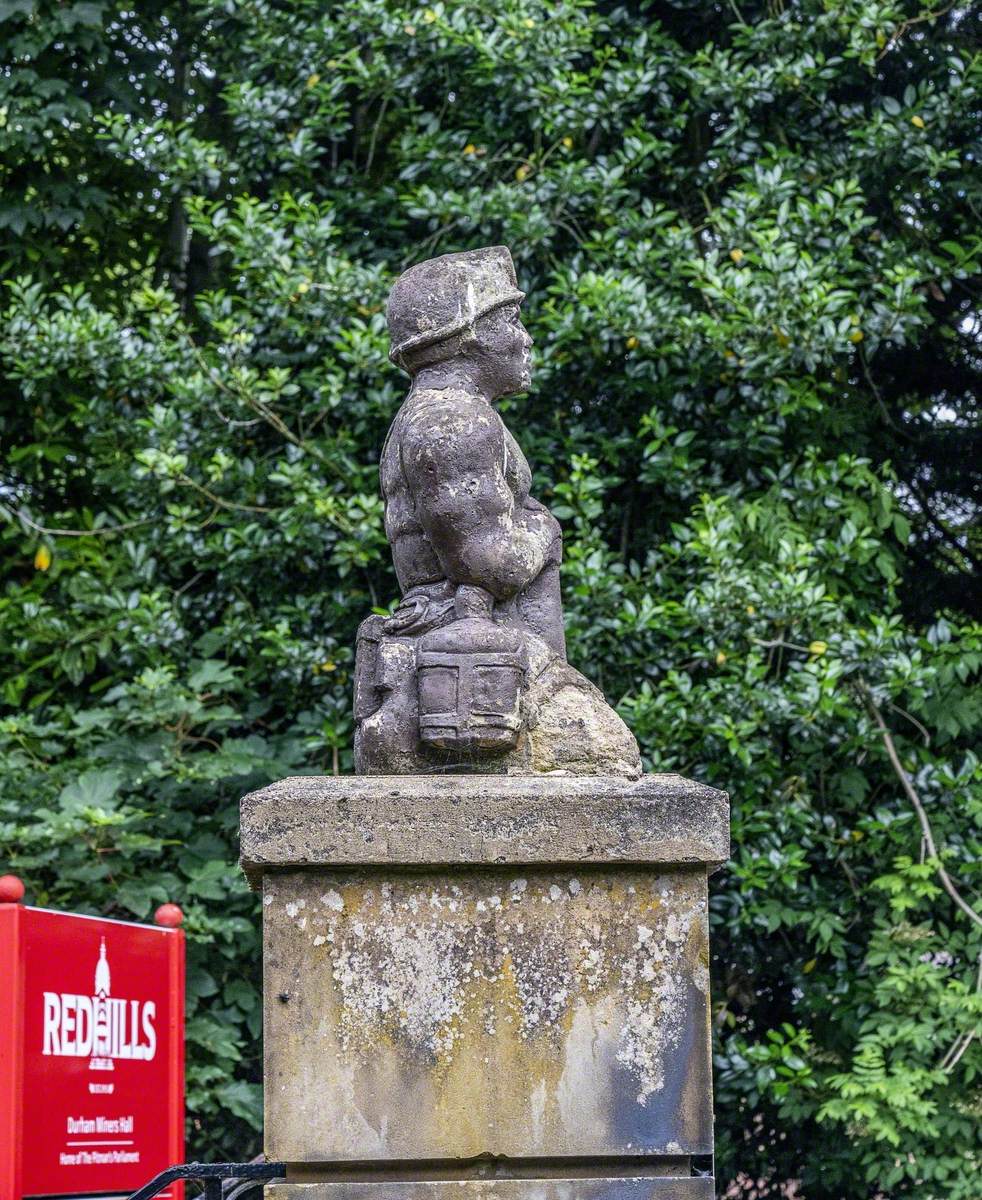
(212, 1175)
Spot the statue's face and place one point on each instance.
(505, 347)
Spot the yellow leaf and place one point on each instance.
(856, 336)
(529, 23)
(918, 121)
(303, 287)
(313, 80)
(750, 610)
(632, 343)
(429, 16)
(720, 658)
(42, 560)
(810, 966)
(522, 173)
(817, 648)
(470, 148)
(736, 255)
(328, 666)
(568, 143)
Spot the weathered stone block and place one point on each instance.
(502, 1013)
(497, 967)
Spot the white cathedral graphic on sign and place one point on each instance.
(101, 1019)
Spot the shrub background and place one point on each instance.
(750, 237)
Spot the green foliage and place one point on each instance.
(749, 233)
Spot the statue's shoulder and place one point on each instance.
(433, 417)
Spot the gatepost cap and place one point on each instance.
(441, 297)
(168, 915)
(11, 889)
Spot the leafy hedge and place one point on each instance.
(750, 237)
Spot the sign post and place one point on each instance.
(91, 1051)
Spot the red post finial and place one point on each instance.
(11, 889)
(168, 915)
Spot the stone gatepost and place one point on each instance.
(486, 987)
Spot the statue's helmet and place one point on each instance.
(442, 297)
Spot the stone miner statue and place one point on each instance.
(470, 672)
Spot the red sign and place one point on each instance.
(91, 1053)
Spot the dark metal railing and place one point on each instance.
(213, 1176)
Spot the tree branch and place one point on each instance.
(187, 481)
(904, 26)
(103, 531)
(915, 800)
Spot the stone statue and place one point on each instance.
(470, 672)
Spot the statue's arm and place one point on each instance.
(455, 472)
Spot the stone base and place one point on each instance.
(625, 1187)
(466, 968)
(477, 820)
